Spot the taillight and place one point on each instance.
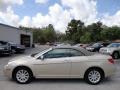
(111, 60)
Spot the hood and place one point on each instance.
(92, 46)
(3, 46)
(20, 46)
(21, 59)
(108, 48)
(89, 47)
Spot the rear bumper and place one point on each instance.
(109, 71)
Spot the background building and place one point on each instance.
(16, 35)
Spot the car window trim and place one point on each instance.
(62, 48)
(53, 49)
(79, 51)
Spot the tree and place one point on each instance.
(95, 30)
(86, 38)
(50, 33)
(42, 35)
(74, 30)
(111, 33)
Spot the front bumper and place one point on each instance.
(7, 71)
(20, 50)
(4, 51)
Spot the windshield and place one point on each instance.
(3, 43)
(114, 45)
(96, 44)
(39, 53)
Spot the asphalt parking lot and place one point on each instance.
(112, 83)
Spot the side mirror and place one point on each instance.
(42, 57)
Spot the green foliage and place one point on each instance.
(95, 30)
(110, 33)
(43, 35)
(79, 33)
(76, 32)
(49, 33)
(86, 38)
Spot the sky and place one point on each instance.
(40, 13)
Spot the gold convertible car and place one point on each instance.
(61, 62)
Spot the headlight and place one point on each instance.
(9, 63)
(91, 48)
(7, 67)
(18, 47)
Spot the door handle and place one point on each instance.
(66, 61)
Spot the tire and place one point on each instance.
(94, 76)
(13, 51)
(9, 54)
(22, 75)
(116, 55)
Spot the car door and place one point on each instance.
(55, 64)
(78, 60)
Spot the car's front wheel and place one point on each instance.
(93, 76)
(22, 75)
(13, 51)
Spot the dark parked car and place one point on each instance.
(96, 46)
(5, 48)
(16, 48)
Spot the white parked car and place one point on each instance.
(113, 49)
(61, 62)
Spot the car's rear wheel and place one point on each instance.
(93, 76)
(22, 75)
(115, 55)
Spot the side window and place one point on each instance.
(57, 53)
(118, 45)
(75, 53)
